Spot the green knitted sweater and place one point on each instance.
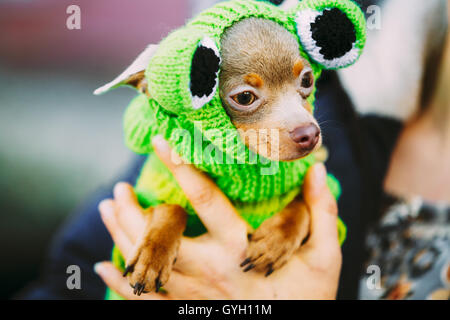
(331, 35)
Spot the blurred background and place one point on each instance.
(58, 142)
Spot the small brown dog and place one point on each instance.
(264, 84)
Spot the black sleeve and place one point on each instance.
(83, 241)
(359, 153)
(380, 135)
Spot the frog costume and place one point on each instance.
(186, 109)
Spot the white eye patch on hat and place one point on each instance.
(328, 36)
(204, 73)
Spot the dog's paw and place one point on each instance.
(151, 267)
(271, 246)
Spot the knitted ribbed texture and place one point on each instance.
(157, 185)
(242, 182)
(335, 17)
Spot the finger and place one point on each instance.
(129, 212)
(181, 286)
(323, 209)
(190, 256)
(114, 279)
(107, 210)
(212, 206)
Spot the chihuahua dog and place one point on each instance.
(264, 84)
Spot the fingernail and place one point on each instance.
(121, 185)
(317, 181)
(98, 268)
(121, 189)
(161, 144)
(105, 208)
(101, 206)
(320, 175)
(165, 152)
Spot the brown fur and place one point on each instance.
(308, 107)
(155, 253)
(139, 81)
(254, 80)
(298, 68)
(258, 46)
(264, 48)
(274, 242)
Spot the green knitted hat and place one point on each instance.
(331, 34)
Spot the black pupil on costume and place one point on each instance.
(307, 80)
(276, 2)
(205, 65)
(245, 98)
(334, 33)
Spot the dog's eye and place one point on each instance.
(306, 83)
(307, 80)
(245, 98)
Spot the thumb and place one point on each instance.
(323, 209)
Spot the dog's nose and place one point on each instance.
(306, 136)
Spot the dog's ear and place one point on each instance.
(134, 75)
(332, 33)
(204, 73)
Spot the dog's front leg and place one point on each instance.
(151, 262)
(276, 240)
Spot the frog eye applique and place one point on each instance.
(275, 2)
(204, 73)
(332, 36)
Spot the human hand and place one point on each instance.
(207, 267)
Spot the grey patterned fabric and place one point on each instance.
(409, 253)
